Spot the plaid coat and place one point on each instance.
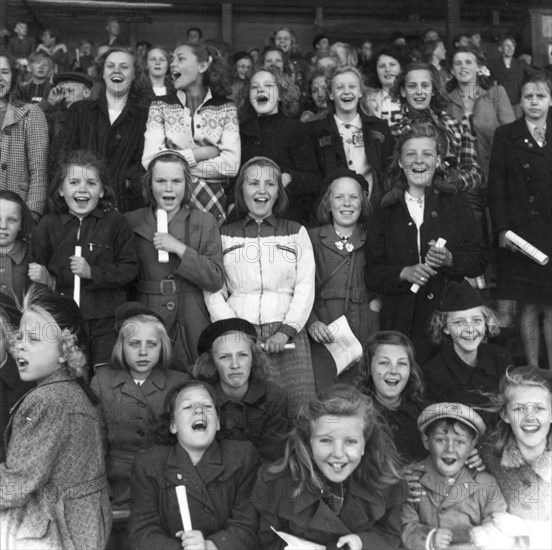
(53, 489)
(24, 155)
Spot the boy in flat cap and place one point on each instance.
(457, 509)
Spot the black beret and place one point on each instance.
(460, 296)
(212, 332)
(344, 173)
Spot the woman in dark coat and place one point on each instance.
(520, 200)
(111, 126)
(401, 251)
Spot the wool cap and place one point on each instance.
(460, 296)
(73, 76)
(456, 411)
(212, 332)
(345, 173)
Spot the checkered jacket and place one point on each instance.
(24, 155)
(460, 147)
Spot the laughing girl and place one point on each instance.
(84, 214)
(466, 364)
(218, 477)
(401, 239)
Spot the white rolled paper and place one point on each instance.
(439, 244)
(76, 283)
(183, 507)
(527, 248)
(162, 227)
(286, 346)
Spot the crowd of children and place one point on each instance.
(190, 253)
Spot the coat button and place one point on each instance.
(434, 214)
(198, 125)
(257, 142)
(2, 270)
(531, 198)
(526, 165)
(350, 162)
(178, 476)
(430, 296)
(4, 166)
(410, 224)
(436, 191)
(170, 306)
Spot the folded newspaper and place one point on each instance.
(295, 543)
(346, 349)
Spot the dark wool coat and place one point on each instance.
(130, 412)
(520, 200)
(391, 245)
(55, 458)
(180, 299)
(261, 417)
(285, 141)
(511, 78)
(108, 247)
(220, 482)
(448, 378)
(330, 154)
(373, 516)
(121, 145)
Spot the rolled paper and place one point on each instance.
(77, 54)
(162, 227)
(286, 346)
(527, 248)
(76, 283)
(439, 244)
(480, 281)
(183, 507)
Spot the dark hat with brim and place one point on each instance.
(460, 296)
(132, 309)
(73, 76)
(456, 411)
(218, 328)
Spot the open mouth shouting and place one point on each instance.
(199, 425)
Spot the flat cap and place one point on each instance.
(456, 411)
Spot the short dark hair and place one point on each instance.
(195, 29)
(539, 76)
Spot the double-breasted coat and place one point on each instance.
(53, 487)
(129, 411)
(330, 153)
(175, 289)
(219, 482)
(520, 200)
(373, 516)
(391, 245)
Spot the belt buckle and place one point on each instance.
(167, 287)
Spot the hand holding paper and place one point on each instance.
(295, 543)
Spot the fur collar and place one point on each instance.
(512, 458)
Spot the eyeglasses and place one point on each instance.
(413, 87)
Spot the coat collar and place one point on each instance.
(17, 253)
(326, 520)
(396, 194)
(67, 217)
(144, 223)
(154, 382)
(461, 370)
(181, 471)
(436, 487)
(328, 237)
(270, 220)
(522, 136)
(255, 394)
(512, 458)
(14, 114)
